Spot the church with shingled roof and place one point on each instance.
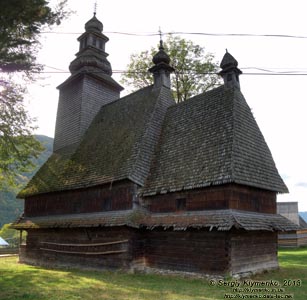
(142, 183)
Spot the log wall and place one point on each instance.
(103, 198)
(296, 238)
(84, 247)
(188, 251)
(124, 248)
(230, 196)
(198, 251)
(253, 251)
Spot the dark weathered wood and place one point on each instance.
(107, 248)
(84, 253)
(86, 245)
(229, 196)
(253, 251)
(200, 251)
(102, 198)
(189, 250)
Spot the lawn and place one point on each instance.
(19, 281)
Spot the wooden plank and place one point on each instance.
(86, 245)
(85, 253)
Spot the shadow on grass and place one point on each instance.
(26, 282)
(19, 281)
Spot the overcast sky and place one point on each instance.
(278, 102)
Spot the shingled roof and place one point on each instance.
(212, 139)
(118, 145)
(221, 220)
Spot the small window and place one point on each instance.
(76, 206)
(181, 204)
(94, 41)
(101, 45)
(83, 43)
(107, 204)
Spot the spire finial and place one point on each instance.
(95, 8)
(230, 71)
(161, 70)
(161, 41)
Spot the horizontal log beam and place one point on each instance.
(86, 245)
(85, 253)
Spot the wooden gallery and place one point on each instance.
(143, 183)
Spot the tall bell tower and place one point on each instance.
(89, 87)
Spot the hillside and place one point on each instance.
(10, 207)
(303, 214)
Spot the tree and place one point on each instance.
(195, 71)
(21, 22)
(17, 145)
(11, 235)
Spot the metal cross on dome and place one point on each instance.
(95, 7)
(160, 33)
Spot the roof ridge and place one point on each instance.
(120, 99)
(251, 154)
(232, 164)
(131, 174)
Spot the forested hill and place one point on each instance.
(10, 207)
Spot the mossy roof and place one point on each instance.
(118, 145)
(212, 139)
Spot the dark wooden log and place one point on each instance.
(229, 196)
(96, 199)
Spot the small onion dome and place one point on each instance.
(161, 56)
(228, 61)
(94, 25)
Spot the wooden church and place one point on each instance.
(143, 183)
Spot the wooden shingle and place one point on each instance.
(212, 139)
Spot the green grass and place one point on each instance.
(19, 281)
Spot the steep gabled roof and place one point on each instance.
(212, 139)
(119, 144)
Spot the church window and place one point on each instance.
(107, 204)
(94, 41)
(181, 204)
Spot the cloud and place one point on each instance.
(301, 184)
(285, 176)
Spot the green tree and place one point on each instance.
(17, 145)
(11, 235)
(21, 22)
(195, 70)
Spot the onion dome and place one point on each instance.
(93, 25)
(230, 71)
(92, 57)
(161, 56)
(228, 61)
(161, 70)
